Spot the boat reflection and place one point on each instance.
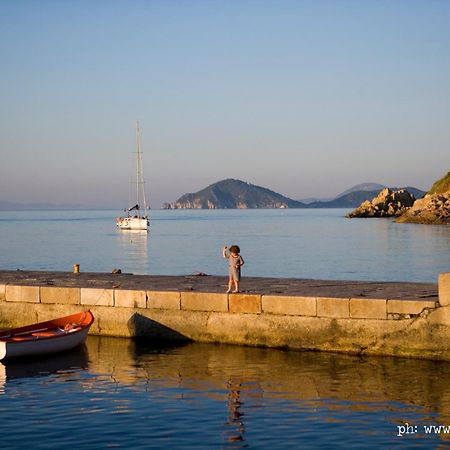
(40, 366)
(133, 246)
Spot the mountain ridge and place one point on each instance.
(236, 194)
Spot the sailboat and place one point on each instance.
(136, 218)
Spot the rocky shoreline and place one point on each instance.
(388, 203)
(433, 208)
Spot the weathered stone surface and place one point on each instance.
(245, 303)
(2, 292)
(368, 308)
(290, 306)
(217, 284)
(163, 300)
(28, 294)
(333, 307)
(444, 289)
(413, 307)
(388, 203)
(432, 209)
(204, 301)
(61, 295)
(130, 299)
(99, 297)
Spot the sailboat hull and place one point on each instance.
(132, 223)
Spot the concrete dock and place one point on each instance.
(406, 319)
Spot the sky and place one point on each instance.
(306, 98)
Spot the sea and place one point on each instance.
(125, 394)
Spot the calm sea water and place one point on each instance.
(117, 393)
(319, 244)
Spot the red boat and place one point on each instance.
(53, 336)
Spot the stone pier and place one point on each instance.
(398, 319)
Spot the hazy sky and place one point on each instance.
(304, 97)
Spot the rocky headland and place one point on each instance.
(434, 208)
(387, 203)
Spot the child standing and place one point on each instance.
(235, 261)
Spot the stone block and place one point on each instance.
(2, 292)
(204, 301)
(289, 306)
(245, 303)
(368, 308)
(26, 294)
(61, 295)
(408, 306)
(130, 298)
(444, 289)
(333, 307)
(163, 300)
(97, 297)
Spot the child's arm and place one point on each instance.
(241, 261)
(224, 252)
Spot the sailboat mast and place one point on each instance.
(140, 170)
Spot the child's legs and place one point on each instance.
(230, 282)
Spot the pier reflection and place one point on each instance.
(243, 378)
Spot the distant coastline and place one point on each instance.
(237, 194)
(231, 194)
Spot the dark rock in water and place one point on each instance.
(388, 203)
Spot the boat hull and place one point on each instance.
(132, 223)
(53, 336)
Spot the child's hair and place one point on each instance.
(235, 249)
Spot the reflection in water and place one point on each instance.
(213, 396)
(133, 248)
(235, 419)
(41, 366)
(247, 378)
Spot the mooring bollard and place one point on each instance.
(76, 268)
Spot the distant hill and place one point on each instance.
(354, 199)
(369, 186)
(230, 193)
(351, 196)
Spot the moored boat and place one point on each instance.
(136, 218)
(53, 336)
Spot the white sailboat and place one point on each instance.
(136, 218)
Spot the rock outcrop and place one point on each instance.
(432, 209)
(388, 203)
